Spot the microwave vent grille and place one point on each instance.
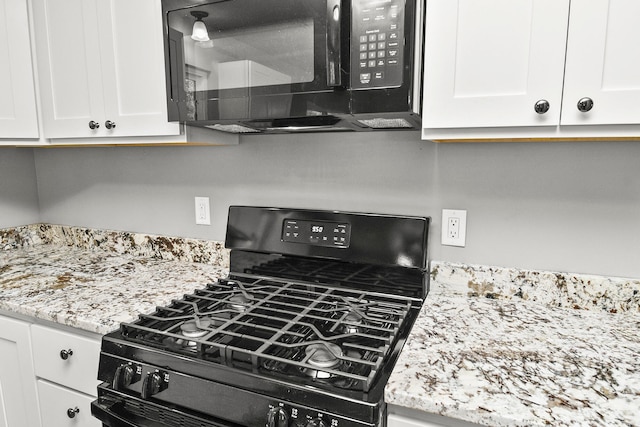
(233, 128)
(382, 123)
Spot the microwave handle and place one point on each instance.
(334, 20)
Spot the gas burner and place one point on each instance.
(322, 355)
(352, 323)
(239, 302)
(194, 328)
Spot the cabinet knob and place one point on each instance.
(585, 104)
(93, 125)
(109, 124)
(71, 412)
(541, 106)
(65, 354)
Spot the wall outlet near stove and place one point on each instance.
(454, 227)
(203, 211)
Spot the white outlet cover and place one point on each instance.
(461, 239)
(203, 213)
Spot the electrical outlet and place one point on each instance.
(454, 227)
(203, 213)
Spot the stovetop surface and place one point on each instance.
(308, 324)
(332, 337)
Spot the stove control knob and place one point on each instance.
(277, 417)
(124, 376)
(316, 422)
(152, 384)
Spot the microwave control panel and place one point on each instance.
(377, 43)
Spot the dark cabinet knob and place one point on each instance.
(93, 125)
(541, 106)
(109, 124)
(71, 412)
(65, 354)
(585, 104)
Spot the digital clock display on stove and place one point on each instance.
(317, 233)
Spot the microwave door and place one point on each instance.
(256, 60)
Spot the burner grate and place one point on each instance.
(267, 326)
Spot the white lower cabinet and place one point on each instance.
(66, 365)
(63, 407)
(66, 358)
(18, 399)
(48, 376)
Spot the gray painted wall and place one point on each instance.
(18, 190)
(557, 206)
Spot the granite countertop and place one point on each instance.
(500, 347)
(522, 357)
(106, 279)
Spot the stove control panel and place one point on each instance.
(285, 415)
(317, 233)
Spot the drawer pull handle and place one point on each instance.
(65, 354)
(71, 412)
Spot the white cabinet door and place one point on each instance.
(18, 117)
(488, 62)
(18, 399)
(100, 61)
(69, 68)
(603, 59)
(133, 60)
(77, 368)
(56, 401)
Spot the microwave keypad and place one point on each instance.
(378, 39)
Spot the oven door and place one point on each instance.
(235, 60)
(118, 409)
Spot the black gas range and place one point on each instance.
(304, 331)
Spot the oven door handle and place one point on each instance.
(334, 54)
(106, 410)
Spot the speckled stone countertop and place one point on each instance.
(494, 346)
(502, 347)
(93, 280)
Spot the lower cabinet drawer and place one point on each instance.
(65, 358)
(62, 407)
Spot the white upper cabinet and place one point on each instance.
(18, 117)
(603, 63)
(488, 62)
(101, 68)
(505, 69)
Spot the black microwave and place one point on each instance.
(275, 66)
